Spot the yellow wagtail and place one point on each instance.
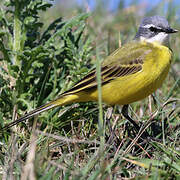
(129, 74)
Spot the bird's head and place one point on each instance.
(154, 29)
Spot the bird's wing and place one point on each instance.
(124, 61)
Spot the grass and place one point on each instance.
(80, 141)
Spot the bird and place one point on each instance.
(131, 73)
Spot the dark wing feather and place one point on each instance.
(108, 73)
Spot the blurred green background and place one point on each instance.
(47, 57)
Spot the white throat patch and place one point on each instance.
(161, 38)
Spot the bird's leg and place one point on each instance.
(125, 114)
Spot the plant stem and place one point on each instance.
(101, 121)
(17, 34)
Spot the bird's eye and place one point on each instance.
(154, 29)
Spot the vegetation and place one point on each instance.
(41, 58)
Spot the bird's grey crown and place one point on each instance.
(157, 21)
(153, 21)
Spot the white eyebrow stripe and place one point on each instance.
(148, 26)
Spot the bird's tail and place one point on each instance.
(62, 100)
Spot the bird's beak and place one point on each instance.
(170, 30)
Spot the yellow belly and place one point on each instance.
(131, 88)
